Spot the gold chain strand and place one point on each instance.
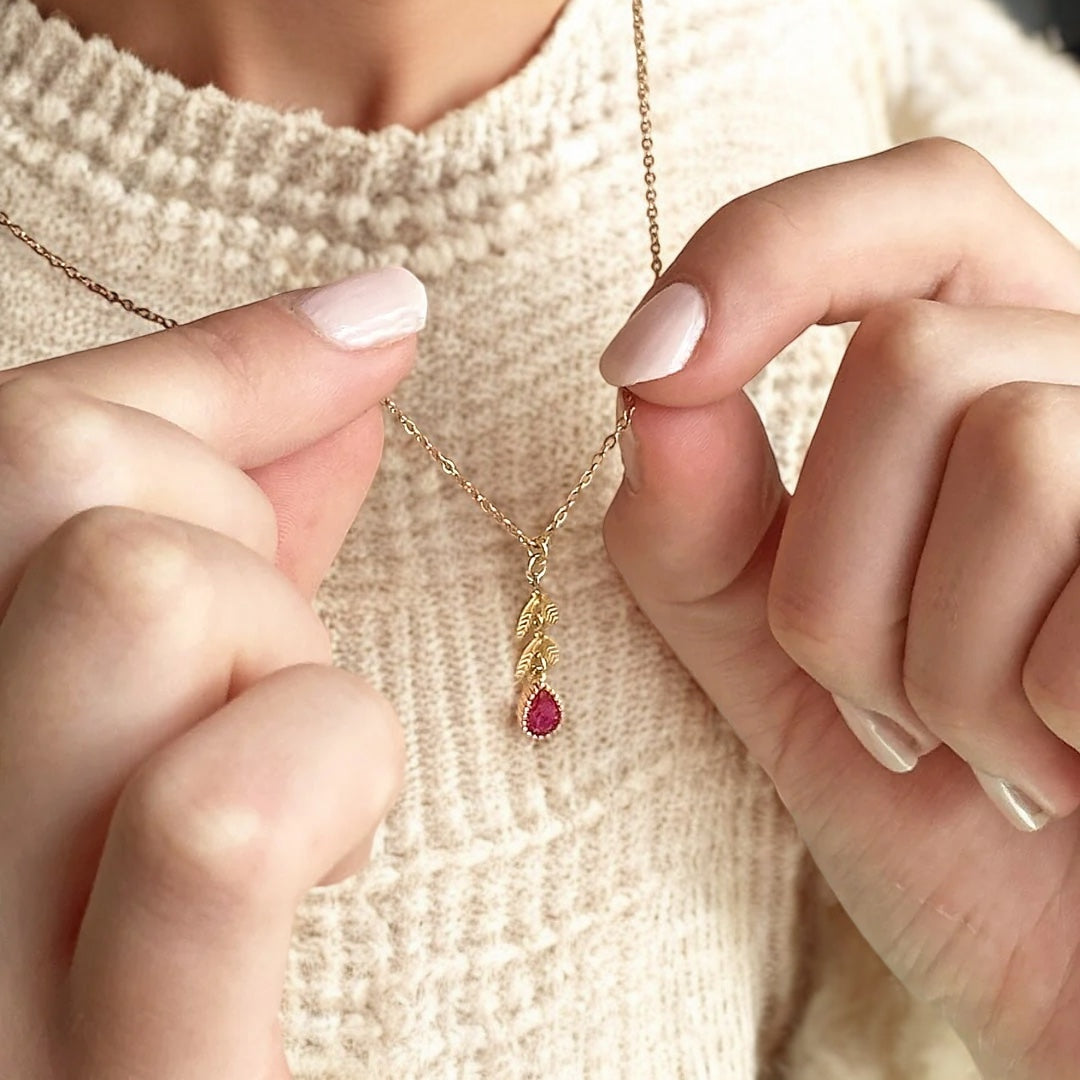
(539, 708)
(450, 468)
(76, 274)
(645, 112)
(447, 464)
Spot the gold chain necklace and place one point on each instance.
(539, 707)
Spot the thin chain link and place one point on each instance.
(648, 160)
(537, 544)
(76, 274)
(558, 519)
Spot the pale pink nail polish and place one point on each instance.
(658, 339)
(1021, 810)
(889, 743)
(367, 309)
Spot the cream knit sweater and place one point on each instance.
(630, 900)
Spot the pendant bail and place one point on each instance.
(538, 560)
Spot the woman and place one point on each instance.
(179, 761)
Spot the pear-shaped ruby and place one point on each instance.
(543, 715)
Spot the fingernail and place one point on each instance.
(891, 745)
(658, 339)
(1020, 809)
(368, 309)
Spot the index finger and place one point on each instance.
(262, 381)
(928, 220)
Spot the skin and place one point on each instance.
(924, 567)
(362, 63)
(157, 558)
(168, 505)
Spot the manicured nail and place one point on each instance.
(368, 309)
(1020, 809)
(891, 745)
(658, 339)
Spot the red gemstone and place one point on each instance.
(543, 715)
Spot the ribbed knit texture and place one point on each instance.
(630, 900)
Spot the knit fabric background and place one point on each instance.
(630, 900)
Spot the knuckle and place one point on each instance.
(140, 570)
(193, 835)
(61, 441)
(265, 526)
(1053, 690)
(811, 637)
(196, 828)
(765, 219)
(260, 528)
(1014, 432)
(390, 746)
(847, 652)
(901, 341)
(373, 716)
(955, 158)
(225, 343)
(942, 703)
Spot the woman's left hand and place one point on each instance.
(922, 582)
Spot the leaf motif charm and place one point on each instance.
(538, 613)
(540, 654)
(540, 711)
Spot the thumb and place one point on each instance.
(316, 494)
(286, 389)
(694, 531)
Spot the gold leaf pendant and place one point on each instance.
(539, 711)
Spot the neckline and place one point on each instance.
(125, 128)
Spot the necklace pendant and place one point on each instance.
(539, 711)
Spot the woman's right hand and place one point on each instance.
(179, 762)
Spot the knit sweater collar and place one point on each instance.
(140, 134)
